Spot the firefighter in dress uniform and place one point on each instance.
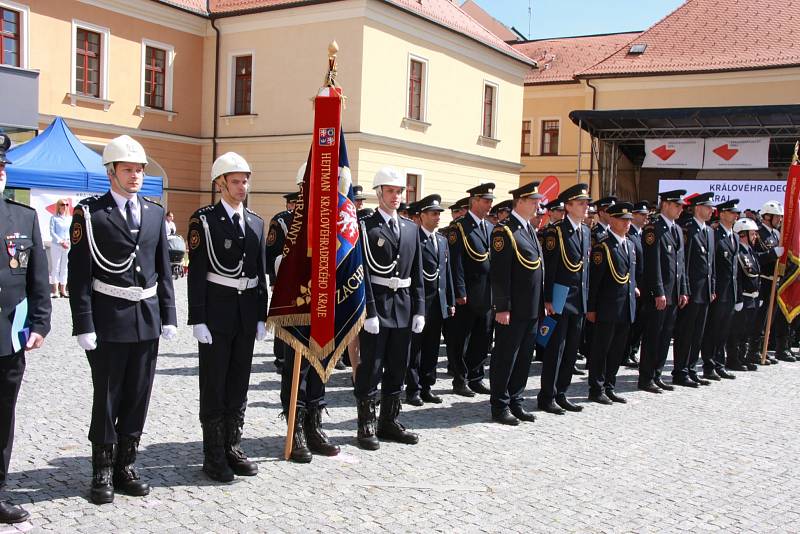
(122, 300)
(23, 279)
(742, 347)
(768, 249)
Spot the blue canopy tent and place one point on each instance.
(56, 159)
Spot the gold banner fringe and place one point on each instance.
(315, 359)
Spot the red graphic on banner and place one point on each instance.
(549, 188)
(725, 152)
(663, 152)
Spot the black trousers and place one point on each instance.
(280, 349)
(384, 361)
(311, 390)
(122, 379)
(559, 357)
(744, 329)
(689, 328)
(424, 354)
(469, 339)
(655, 341)
(635, 332)
(12, 368)
(609, 340)
(510, 363)
(225, 374)
(718, 328)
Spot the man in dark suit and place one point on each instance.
(664, 289)
(469, 330)
(721, 312)
(23, 279)
(227, 308)
(612, 303)
(641, 212)
(517, 276)
(742, 345)
(768, 250)
(566, 258)
(395, 298)
(699, 253)
(122, 299)
(439, 303)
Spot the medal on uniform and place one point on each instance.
(11, 248)
(24, 255)
(13, 263)
(381, 241)
(227, 244)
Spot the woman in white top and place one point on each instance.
(169, 222)
(59, 249)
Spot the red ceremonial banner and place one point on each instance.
(323, 214)
(789, 292)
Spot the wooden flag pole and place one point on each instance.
(290, 417)
(771, 307)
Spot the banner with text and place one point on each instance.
(673, 153)
(44, 202)
(736, 153)
(751, 194)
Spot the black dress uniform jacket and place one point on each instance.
(517, 272)
(394, 308)
(469, 251)
(749, 279)
(276, 236)
(726, 265)
(612, 287)
(635, 237)
(23, 271)
(700, 253)
(664, 267)
(114, 319)
(216, 305)
(566, 255)
(439, 294)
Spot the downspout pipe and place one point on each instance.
(216, 94)
(591, 150)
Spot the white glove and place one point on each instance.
(261, 331)
(760, 303)
(418, 324)
(278, 264)
(169, 331)
(372, 326)
(738, 306)
(201, 333)
(87, 341)
(778, 251)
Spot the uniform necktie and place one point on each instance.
(237, 226)
(435, 244)
(132, 225)
(675, 235)
(483, 230)
(530, 230)
(393, 226)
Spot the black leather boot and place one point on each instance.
(753, 358)
(366, 425)
(300, 452)
(782, 352)
(126, 477)
(11, 513)
(215, 465)
(318, 441)
(389, 428)
(237, 459)
(102, 474)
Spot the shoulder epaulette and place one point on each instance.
(151, 201)
(19, 204)
(281, 214)
(404, 218)
(205, 208)
(252, 212)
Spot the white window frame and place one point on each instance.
(105, 45)
(538, 135)
(495, 108)
(168, 78)
(420, 182)
(24, 16)
(232, 79)
(424, 96)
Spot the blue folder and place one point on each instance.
(20, 327)
(546, 328)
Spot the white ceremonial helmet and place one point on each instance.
(124, 149)
(772, 207)
(388, 176)
(301, 172)
(227, 163)
(745, 224)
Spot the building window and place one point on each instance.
(489, 102)
(549, 138)
(526, 138)
(10, 37)
(243, 79)
(155, 77)
(416, 89)
(412, 187)
(87, 63)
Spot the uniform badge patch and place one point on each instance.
(227, 244)
(650, 238)
(550, 242)
(194, 239)
(498, 243)
(543, 330)
(597, 257)
(272, 236)
(77, 233)
(381, 241)
(452, 237)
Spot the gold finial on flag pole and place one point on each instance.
(330, 78)
(795, 157)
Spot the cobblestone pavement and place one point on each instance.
(722, 458)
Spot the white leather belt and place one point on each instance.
(753, 295)
(133, 293)
(236, 283)
(393, 283)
